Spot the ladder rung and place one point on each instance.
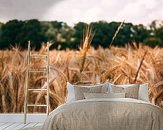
(38, 70)
(36, 105)
(37, 89)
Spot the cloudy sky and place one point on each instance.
(73, 11)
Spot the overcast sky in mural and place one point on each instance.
(73, 11)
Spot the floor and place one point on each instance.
(17, 126)
(15, 121)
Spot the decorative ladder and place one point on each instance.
(30, 70)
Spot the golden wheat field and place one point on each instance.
(130, 64)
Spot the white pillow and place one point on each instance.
(71, 93)
(143, 92)
(71, 90)
(104, 95)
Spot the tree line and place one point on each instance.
(18, 33)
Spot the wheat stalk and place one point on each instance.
(141, 63)
(116, 33)
(86, 45)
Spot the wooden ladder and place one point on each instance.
(30, 70)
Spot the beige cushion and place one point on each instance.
(79, 91)
(104, 95)
(131, 90)
(137, 91)
(76, 92)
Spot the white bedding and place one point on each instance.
(105, 114)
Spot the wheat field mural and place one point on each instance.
(117, 65)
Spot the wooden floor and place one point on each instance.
(15, 121)
(18, 126)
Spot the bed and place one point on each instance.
(106, 107)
